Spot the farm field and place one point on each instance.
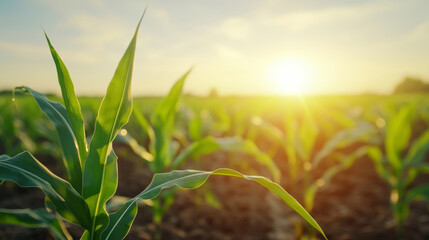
(291, 123)
(351, 199)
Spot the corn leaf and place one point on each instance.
(289, 147)
(71, 103)
(26, 171)
(420, 192)
(143, 123)
(342, 139)
(58, 116)
(195, 126)
(418, 149)
(35, 218)
(121, 221)
(135, 147)
(195, 150)
(163, 122)
(397, 136)
(376, 155)
(307, 134)
(269, 129)
(100, 180)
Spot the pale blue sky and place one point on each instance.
(349, 46)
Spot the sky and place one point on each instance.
(247, 47)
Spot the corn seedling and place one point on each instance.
(91, 171)
(400, 161)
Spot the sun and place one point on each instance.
(290, 76)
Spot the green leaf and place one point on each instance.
(418, 149)
(58, 116)
(163, 122)
(195, 150)
(307, 136)
(195, 126)
(35, 218)
(376, 155)
(99, 182)
(342, 139)
(26, 171)
(268, 129)
(71, 102)
(397, 136)
(121, 221)
(134, 145)
(309, 195)
(419, 192)
(143, 123)
(231, 144)
(289, 146)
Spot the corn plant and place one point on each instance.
(400, 161)
(91, 169)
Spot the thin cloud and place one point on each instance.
(23, 50)
(304, 19)
(236, 28)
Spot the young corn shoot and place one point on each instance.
(400, 161)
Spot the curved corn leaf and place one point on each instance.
(209, 145)
(342, 139)
(114, 112)
(58, 116)
(163, 125)
(135, 146)
(419, 192)
(71, 102)
(196, 149)
(418, 149)
(26, 171)
(35, 218)
(269, 129)
(116, 202)
(121, 220)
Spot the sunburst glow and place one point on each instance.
(290, 76)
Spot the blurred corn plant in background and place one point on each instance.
(401, 159)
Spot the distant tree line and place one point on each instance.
(411, 85)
